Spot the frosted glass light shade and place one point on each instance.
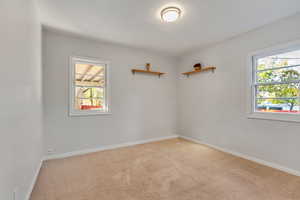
(170, 14)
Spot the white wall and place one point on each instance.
(212, 107)
(20, 86)
(143, 106)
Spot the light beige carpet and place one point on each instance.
(169, 170)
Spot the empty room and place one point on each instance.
(150, 100)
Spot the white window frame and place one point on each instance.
(252, 113)
(92, 61)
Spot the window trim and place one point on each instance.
(94, 61)
(251, 70)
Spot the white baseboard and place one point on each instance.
(108, 147)
(36, 174)
(257, 160)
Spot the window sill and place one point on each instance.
(83, 114)
(285, 117)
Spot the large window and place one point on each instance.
(276, 82)
(89, 87)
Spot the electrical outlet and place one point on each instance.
(50, 151)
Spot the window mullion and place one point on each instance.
(276, 68)
(279, 98)
(277, 83)
(89, 86)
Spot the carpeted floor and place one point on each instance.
(168, 170)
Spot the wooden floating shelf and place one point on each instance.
(200, 70)
(147, 71)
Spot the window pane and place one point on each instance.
(279, 60)
(88, 87)
(278, 91)
(279, 75)
(278, 105)
(89, 75)
(87, 98)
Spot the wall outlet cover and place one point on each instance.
(50, 151)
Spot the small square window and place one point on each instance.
(89, 87)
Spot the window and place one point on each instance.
(276, 83)
(89, 87)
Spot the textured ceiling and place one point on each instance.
(137, 23)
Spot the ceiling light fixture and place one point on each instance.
(170, 14)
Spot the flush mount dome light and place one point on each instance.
(170, 14)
